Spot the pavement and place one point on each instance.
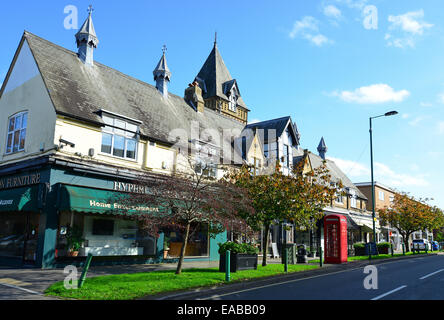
(29, 284)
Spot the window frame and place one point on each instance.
(380, 192)
(110, 129)
(14, 130)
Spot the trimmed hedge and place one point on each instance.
(384, 245)
(359, 245)
(237, 248)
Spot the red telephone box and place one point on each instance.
(335, 238)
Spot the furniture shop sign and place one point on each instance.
(20, 181)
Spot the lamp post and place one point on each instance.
(391, 113)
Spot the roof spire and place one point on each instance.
(162, 74)
(215, 38)
(87, 39)
(322, 148)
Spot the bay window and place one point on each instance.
(119, 138)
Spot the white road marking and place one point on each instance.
(431, 274)
(19, 288)
(387, 293)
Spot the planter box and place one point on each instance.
(239, 261)
(385, 250)
(360, 252)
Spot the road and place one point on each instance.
(408, 279)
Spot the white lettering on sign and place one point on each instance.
(13, 182)
(93, 203)
(6, 202)
(129, 187)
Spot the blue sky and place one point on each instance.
(325, 63)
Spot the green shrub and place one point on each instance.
(237, 248)
(359, 245)
(382, 245)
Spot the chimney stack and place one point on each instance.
(193, 95)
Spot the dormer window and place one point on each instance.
(15, 139)
(120, 137)
(232, 104)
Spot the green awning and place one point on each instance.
(90, 200)
(19, 199)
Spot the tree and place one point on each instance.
(409, 215)
(299, 198)
(189, 198)
(271, 199)
(312, 191)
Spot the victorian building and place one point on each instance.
(77, 133)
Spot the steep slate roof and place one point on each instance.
(279, 125)
(215, 76)
(336, 173)
(81, 91)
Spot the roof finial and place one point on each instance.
(215, 38)
(90, 9)
(164, 49)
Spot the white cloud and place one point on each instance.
(405, 27)
(376, 93)
(416, 121)
(410, 22)
(382, 172)
(441, 98)
(354, 4)
(332, 12)
(425, 104)
(441, 127)
(405, 115)
(394, 179)
(308, 29)
(254, 121)
(351, 168)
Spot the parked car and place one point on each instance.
(421, 244)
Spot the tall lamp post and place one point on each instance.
(391, 113)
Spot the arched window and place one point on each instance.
(15, 139)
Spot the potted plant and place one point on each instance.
(75, 240)
(383, 247)
(359, 249)
(242, 256)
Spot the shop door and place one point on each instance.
(31, 237)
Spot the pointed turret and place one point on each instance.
(322, 148)
(162, 75)
(219, 90)
(87, 40)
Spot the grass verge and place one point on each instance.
(137, 285)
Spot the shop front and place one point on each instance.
(94, 221)
(20, 216)
(97, 221)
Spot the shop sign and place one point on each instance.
(20, 181)
(6, 202)
(117, 206)
(129, 187)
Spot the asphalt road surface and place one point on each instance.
(408, 279)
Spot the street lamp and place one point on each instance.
(391, 113)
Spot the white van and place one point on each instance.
(420, 244)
